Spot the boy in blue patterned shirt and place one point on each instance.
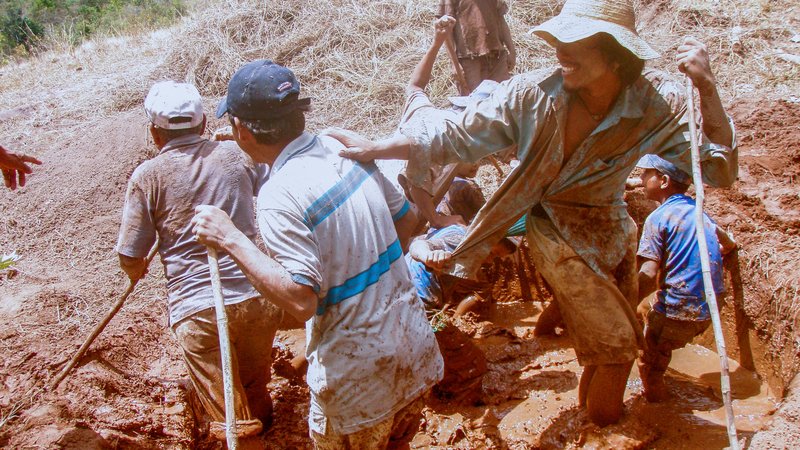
(669, 261)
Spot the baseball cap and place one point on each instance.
(174, 106)
(667, 168)
(262, 89)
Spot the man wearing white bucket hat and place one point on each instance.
(580, 132)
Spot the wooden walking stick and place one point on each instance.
(102, 325)
(711, 297)
(458, 71)
(224, 350)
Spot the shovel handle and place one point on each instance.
(225, 351)
(102, 325)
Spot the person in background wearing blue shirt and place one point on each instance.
(669, 262)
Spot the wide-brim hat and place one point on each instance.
(580, 19)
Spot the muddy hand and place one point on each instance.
(692, 59)
(443, 27)
(223, 134)
(212, 226)
(357, 147)
(15, 166)
(437, 259)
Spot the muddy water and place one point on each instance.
(530, 397)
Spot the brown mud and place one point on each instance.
(131, 390)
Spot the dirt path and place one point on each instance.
(529, 394)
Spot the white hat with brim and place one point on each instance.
(580, 19)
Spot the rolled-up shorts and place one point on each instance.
(600, 319)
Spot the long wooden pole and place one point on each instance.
(458, 71)
(102, 325)
(711, 297)
(225, 351)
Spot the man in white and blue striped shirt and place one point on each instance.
(334, 230)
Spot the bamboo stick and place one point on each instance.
(711, 297)
(225, 351)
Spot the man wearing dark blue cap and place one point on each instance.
(669, 261)
(334, 230)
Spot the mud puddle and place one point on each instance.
(528, 396)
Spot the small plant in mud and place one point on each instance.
(7, 262)
(439, 321)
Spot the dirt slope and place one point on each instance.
(80, 113)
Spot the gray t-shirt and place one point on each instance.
(162, 195)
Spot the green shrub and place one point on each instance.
(26, 22)
(17, 29)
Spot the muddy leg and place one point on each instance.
(583, 387)
(466, 305)
(548, 320)
(606, 389)
(652, 367)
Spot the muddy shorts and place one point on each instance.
(492, 66)
(599, 318)
(252, 325)
(663, 335)
(395, 432)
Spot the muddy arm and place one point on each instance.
(648, 278)
(135, 268)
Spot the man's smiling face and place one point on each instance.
(583, 64)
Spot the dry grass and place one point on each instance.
(354, 57)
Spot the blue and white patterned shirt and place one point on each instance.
(330, 222)
(669, 238)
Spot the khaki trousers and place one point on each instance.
(394, 432)
(493, 66)
(252, 325)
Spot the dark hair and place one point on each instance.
(629, 66)
(168, 135)
(678, 187)
(273, 131)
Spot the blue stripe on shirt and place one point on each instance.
(338, 194)
(358, 283)
(399, 215)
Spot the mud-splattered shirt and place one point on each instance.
(162, 194)
(330, 222)
(669, 238)
(582, 196)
